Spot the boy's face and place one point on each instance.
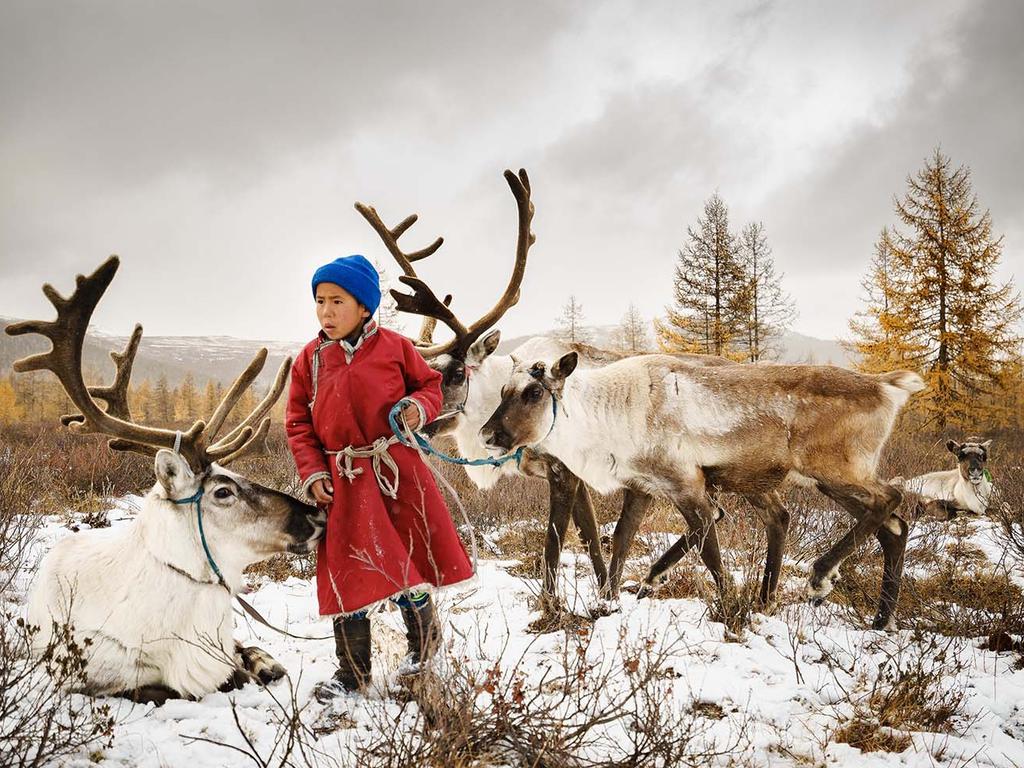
(338, 311)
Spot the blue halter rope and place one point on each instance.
(194, 499)
(427, 448)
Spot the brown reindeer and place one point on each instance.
(661, 427)
(465, 410)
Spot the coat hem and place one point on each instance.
(423, 587)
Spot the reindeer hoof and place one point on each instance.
(605, 607)
(883, 624)
(819, 587)
(261, 665)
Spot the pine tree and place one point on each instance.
(769, 310)
(943, 313)
(710, 296)
(570, 322)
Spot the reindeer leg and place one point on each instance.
(560, 488)
(700, 516)
(666, 561)
(634, 509)
(894, 548)
(585, 517)
(775, 517)
(871, 504)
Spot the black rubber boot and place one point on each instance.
(352, 646)
(423, 633)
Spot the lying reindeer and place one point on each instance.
(661, 427)
(966, 488)
(154, 597)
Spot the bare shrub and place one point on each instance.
(914, 689)
(591, 707)
(40, 720)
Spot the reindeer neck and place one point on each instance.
(170, 535)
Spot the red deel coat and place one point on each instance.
(375, 547)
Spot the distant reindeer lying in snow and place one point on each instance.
(967, 488)
(154, 597)
(661, 427)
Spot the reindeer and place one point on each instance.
(661, 427)
(461, 360)
(153, 598)
(967, 488)
(469, 357)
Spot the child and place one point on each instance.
(389, 533)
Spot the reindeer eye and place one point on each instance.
(223, 493)
(458, 376)
(532, 393)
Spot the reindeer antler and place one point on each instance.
(423, 301)
(64, 360)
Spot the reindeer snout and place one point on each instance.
(306, 527)
(495, 436)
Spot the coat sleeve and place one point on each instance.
(422, 383)
(306, 448)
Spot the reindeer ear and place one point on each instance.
(483, 348)
(953, 446)
(986, 444)
(174, 474)
(565, 366)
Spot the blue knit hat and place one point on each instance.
(356, 275)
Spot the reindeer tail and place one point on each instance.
(908, 381)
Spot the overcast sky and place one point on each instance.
(218, 147)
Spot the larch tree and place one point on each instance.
(710, 295)
(10, 408)
(881, 334)
(211, 398)
(570, 322)
(769, 309)
(140, 401)
(952, 320)
(632, 336)
(188, 399)
(163, 401)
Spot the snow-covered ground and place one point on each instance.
(773, 696)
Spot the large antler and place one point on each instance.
(198, 444)
(390, 238)
(424, 302)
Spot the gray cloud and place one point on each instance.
(219, 148)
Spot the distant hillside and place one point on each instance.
(220, 358)
(796, 348)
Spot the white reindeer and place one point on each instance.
(659, 426)
(153, 598)
(966, 488)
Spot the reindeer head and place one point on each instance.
(457, 358)
(243, 522)
(250, 520)
(971, 455)
(528, 408)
